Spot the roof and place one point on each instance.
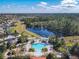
(38, 58)
(10, 37)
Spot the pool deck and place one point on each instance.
(36, 54)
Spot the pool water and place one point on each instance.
(38, 47)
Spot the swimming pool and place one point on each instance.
(38, 48)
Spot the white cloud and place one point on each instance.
(69, 3)
(65, 6)
(63, 3)
(42, 4)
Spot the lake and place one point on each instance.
(41, 32)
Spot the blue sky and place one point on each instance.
(39, 6)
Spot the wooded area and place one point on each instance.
(63, 24)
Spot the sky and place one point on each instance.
(39, 6)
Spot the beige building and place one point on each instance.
(1, 29)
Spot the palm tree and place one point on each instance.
(44, 50)
(22, 39)
(15, 33)
(32, 50)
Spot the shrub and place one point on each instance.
(44, 49)
(51, 56)
(62, 49)
(31, 50)
(1, 55)
(20, 57)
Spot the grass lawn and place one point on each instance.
(71, 40)
(21, 28)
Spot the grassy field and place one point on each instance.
(21, 28)
(71, 40)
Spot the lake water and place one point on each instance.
(41, 32)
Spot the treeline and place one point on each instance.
(59, 24)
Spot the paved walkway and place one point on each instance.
(38, 58)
